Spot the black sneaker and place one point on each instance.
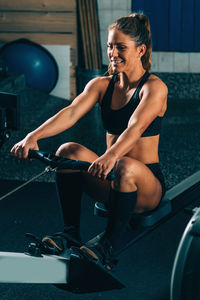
(101, 250)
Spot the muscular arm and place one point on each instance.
(68, 116)
(64, 119)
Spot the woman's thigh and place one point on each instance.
(149, 191)
(133, 175)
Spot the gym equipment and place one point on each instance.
(185, 279)
(59, 163)
(38, 65)
(9, 115)
(74, 270)
(71, 271)
(3, 68)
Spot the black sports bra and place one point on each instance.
(116, 121)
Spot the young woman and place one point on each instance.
(133, 103)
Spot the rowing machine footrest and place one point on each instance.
(100, 210)
(146, 219)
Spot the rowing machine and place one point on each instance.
(73, 270)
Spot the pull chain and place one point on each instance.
(47, 169)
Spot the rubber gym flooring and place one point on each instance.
(144, 268)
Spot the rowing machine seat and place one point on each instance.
(146, 219)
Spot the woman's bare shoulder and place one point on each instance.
(155, 82)
(154, 90)
(101, 81)
(100, 84)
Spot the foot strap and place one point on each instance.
(61, 240)
(38, 247)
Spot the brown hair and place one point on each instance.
(137, 26)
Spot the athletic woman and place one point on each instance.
(133, 102)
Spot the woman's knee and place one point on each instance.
(76, 151)
(70, 150)
(126, 170)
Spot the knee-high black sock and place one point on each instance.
(69, 187)
(121, 207)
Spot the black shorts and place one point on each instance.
(155, 169)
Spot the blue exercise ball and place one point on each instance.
(34, 61)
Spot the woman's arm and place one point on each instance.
(64, 119)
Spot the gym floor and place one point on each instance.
(145, 268)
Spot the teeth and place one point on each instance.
(117, 61)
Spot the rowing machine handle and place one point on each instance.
(63, 163)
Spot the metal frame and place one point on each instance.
(23, 268)
(184, 281)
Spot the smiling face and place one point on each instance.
(123, 53)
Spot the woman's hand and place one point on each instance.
(20, 150)
(102, 166)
